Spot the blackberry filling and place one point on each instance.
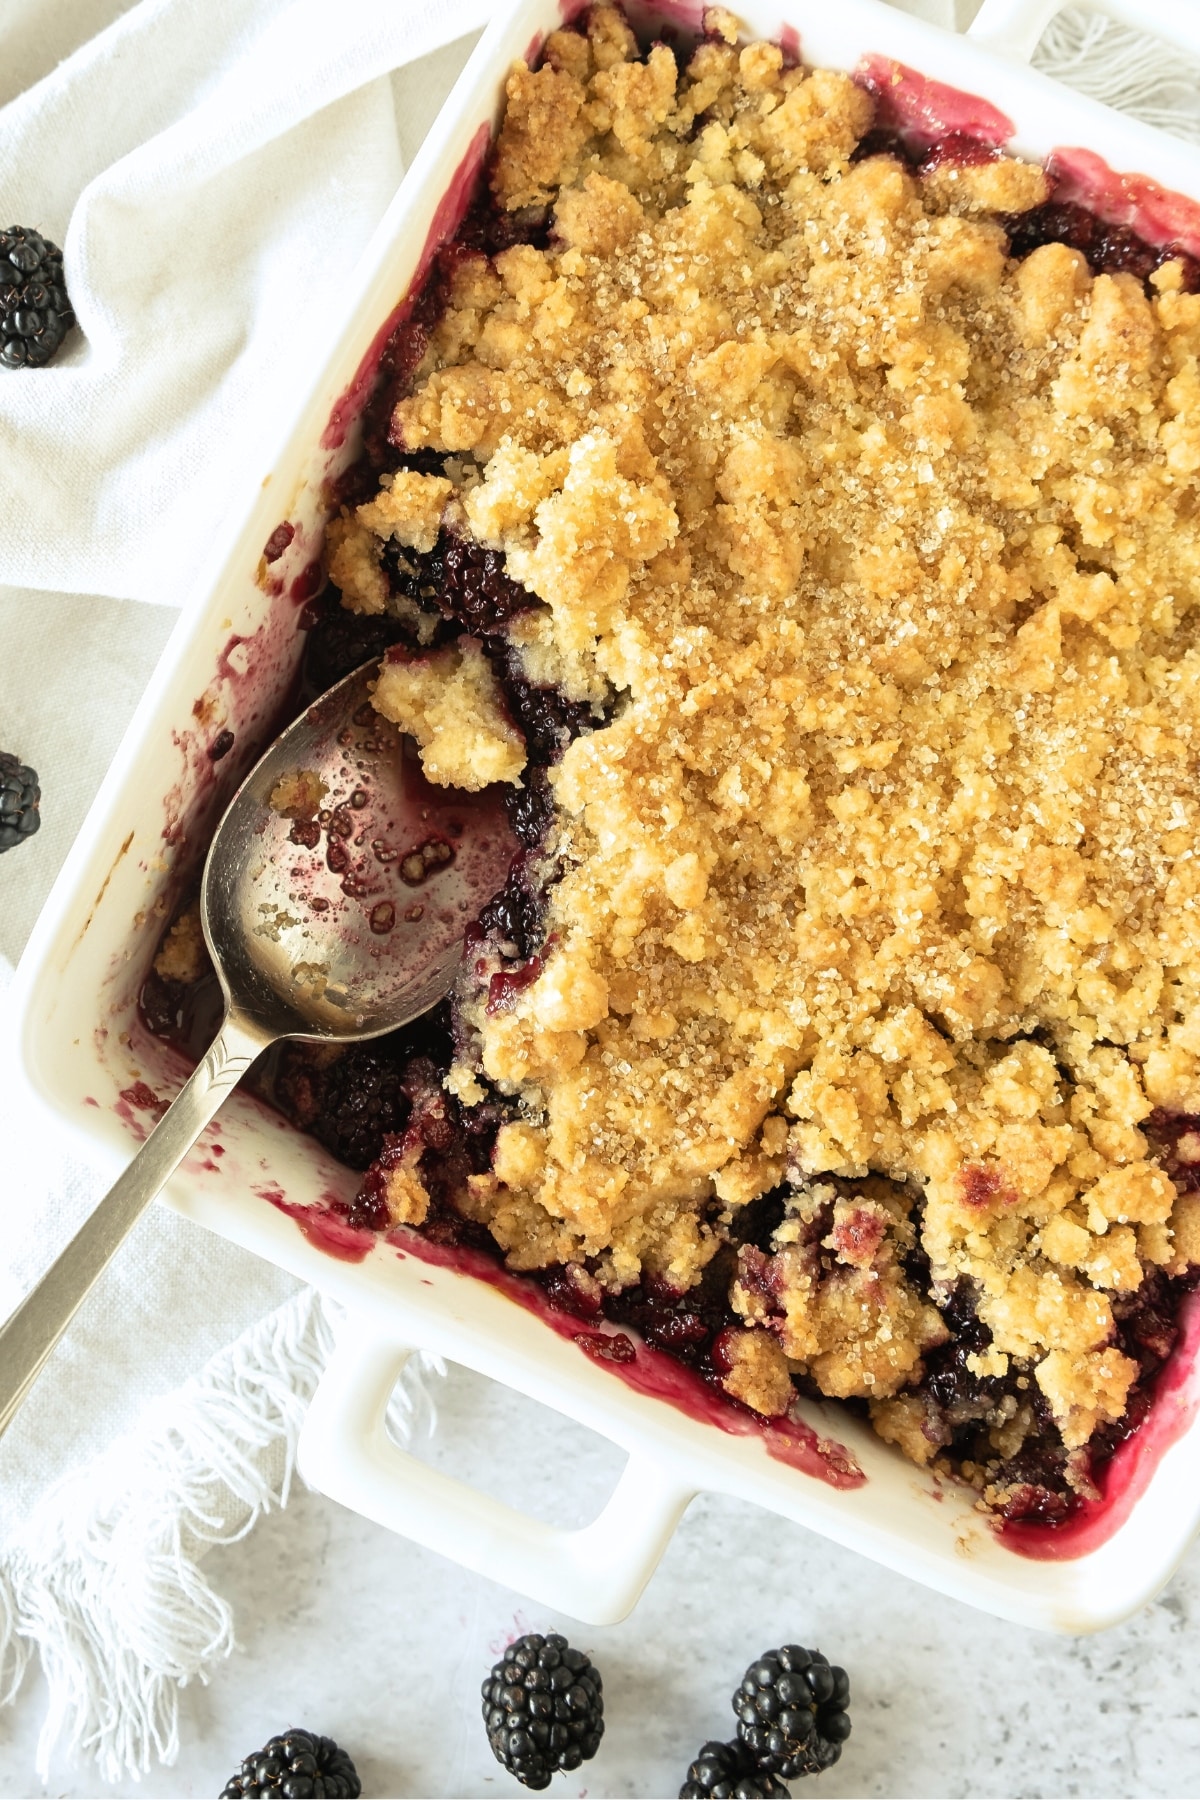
(464, 581)
(1176, 1138)
(1110, 249)
(340, 642)
(486, 230)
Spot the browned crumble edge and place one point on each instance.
(879, 883)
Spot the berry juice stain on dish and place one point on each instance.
(649, 1366)
(324, 1227)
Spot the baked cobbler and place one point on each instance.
(807, 535)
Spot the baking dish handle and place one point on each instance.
(1015, 27)
(595, 1574)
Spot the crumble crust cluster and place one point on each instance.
(885, 866)
(183, 955)
(450, 701)
(297, 795)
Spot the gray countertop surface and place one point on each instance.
(348, 1630)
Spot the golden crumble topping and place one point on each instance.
(450, 702)
(887, 546)
(182, 955)
(297, 795)
(757, 1373)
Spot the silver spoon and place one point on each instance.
(354, 932)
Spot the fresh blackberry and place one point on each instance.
(300, 1763)
(20, 796)
(35, 313)
(727, 1772)
(791, 1712)
(543, 1708)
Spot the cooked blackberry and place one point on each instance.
(547, 719)
(1147, 1321)
(530, 809)
(757, 1222)
(1175, 1142)
(360, 1102)
(948, 1378)
(543, 1708)
(1110, 248)
(352, 1094)
(476, 589)
(1048, 1502)
(490, 228)
(339, 641)
(35, 313)
(727, 1772)
(516, 915)
(685, 1324)
(20, 796)
(465, 581)
(299, 1763)
(791, 1712)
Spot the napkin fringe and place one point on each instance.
(103, 1583)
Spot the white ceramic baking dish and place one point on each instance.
(227, 666)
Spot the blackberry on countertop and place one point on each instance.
(728, 1772)
(297, 1763)
(543, 1708)
(35, 313)
(19, 799)
(791, 1712)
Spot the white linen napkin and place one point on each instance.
(212, 174)
(212, 171)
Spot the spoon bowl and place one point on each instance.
(348, 922)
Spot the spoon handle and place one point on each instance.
(33, 1330)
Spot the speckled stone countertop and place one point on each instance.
(351, 1631)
